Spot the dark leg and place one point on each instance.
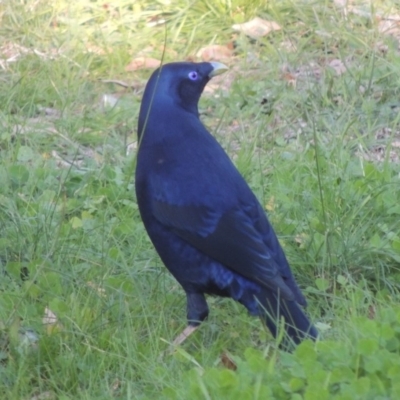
(197, 308)
(197, 312)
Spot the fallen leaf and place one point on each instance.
(215, 52)
(290, 79)
(340, 3)
(132, 147)
(156, 20)
(92, 48)
(379, 154)
(11, 51)
(116, 385)
(145, 51)
(51, 321)
(299, 239)
(383, 133)
(382, 47)
(227, 361)
(48, 395)
(338, 66)
(396, 143)
(49, 317)
(142, 63)
(360, 12)
(28, 339)
(288, 45)
(302, 239)
(322, 327)
(270, 206)
(371, 311)
(101, 291)
(388, 27)
(109, 100)
(257, 27)
(49, 111)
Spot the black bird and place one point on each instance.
(204, 221)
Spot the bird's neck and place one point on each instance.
(162, 111)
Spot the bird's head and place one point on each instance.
(180, 84)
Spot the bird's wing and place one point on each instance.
(236, 239)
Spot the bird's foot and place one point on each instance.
(178, 340)
(184, 335)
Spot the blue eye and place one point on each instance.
(193, 75)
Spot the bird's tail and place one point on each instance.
(280, 313)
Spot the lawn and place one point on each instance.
(309, 112)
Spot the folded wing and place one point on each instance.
(233, 238)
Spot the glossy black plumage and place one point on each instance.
(204, 221)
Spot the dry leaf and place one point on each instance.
(338, 66)
(379, 154)
(382, 47)
(92, 48)
(109, 100)
(51, 321)
(156, 20)
(383, 133)
(131, 148)
(142, 63)
(359, 11)
(371, 311)
(101, 291)
(227, 361)
(49, 111)
(116, 385)
(301, 240)
(390, 26)
(290, 79)
(257, 27)
(65, 163)
(215, 52)
(288, 45)
(322, 327)
(270, 206)
(396, 143)
(340, 3)
(49, 317)
(146, 51)
(48, 395)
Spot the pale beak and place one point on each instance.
(218, 69)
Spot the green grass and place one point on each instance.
(322, 155)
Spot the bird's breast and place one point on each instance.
(189, 167)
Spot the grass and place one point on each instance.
(318, 145)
